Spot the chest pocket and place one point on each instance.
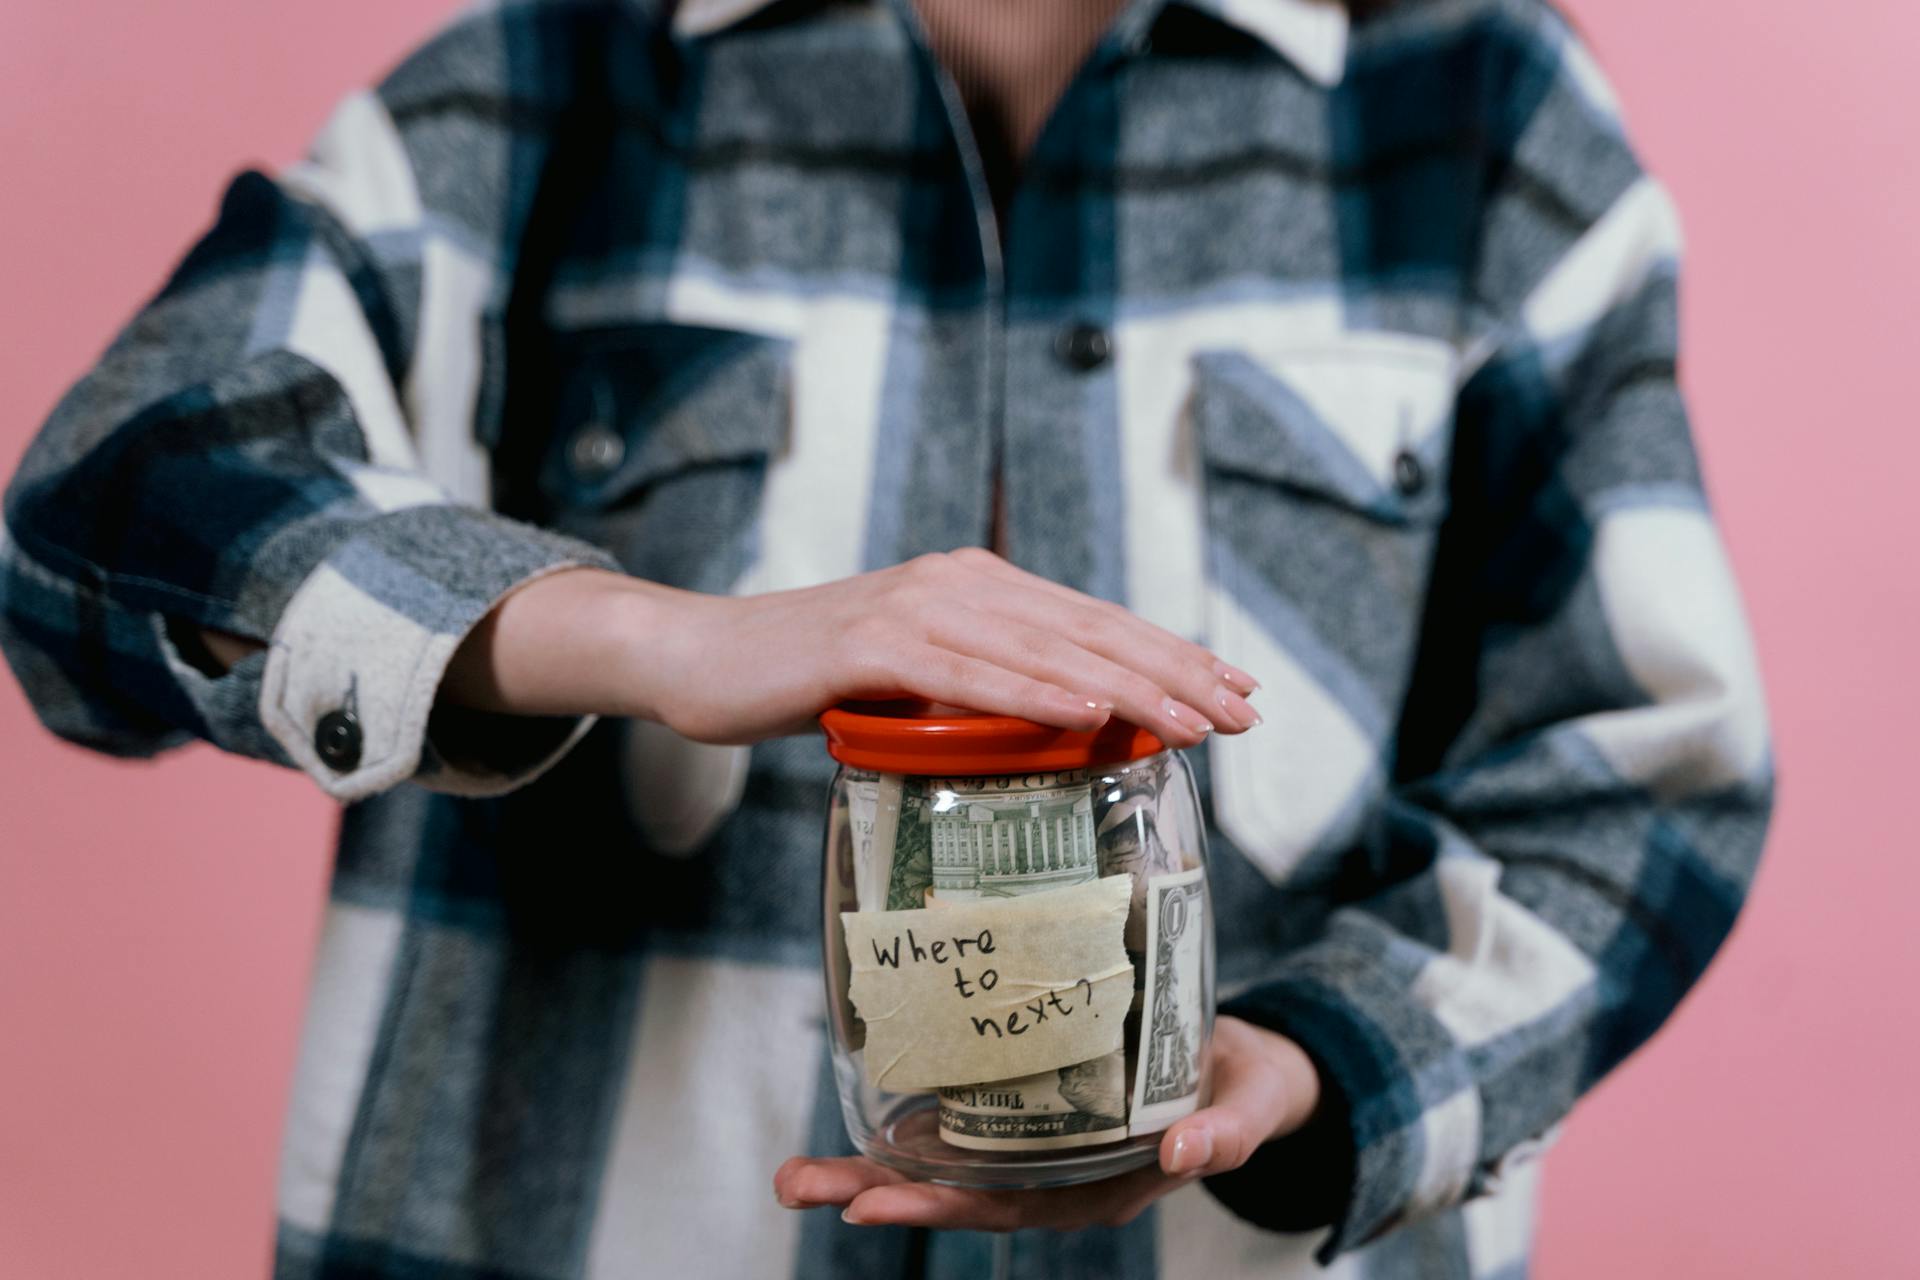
(663, 437)
(1323, 477)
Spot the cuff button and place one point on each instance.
(337, 740)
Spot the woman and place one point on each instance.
(701, 366)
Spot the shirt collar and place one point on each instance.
(695, 18)
(1312, 34)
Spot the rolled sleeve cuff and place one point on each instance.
(353, 671)
(228, 704)
(1396, 1085)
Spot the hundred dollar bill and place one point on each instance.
(1072, 1107)
(1003, 837)
(1167, 1075)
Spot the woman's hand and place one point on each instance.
(1264, 1086)
(964, 628)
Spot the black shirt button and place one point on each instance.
(597, 452)
(1409, 473)
(337, 740)
(1083, 346)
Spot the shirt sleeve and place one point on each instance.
(285, 445)
(1583, 773)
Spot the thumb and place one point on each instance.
(1264, 1085)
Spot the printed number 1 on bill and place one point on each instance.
(1166, 1081)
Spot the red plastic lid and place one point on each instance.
(912, 735)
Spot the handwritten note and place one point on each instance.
(991, 989)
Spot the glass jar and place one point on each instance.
(999, 895)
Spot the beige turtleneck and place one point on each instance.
(1012, 59)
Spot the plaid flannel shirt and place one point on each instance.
(1345, 346)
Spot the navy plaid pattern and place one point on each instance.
(1388, 416)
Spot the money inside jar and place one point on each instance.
(920, 843)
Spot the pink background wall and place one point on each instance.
(156, 922)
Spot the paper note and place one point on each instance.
(991, 989)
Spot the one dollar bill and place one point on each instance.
(1167, 1074)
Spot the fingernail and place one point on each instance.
(846, 1216)
(1187, 718)
(1238, 709)
(1191, 1150)
(1238, 679)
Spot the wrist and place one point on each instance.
(578, 641)
(654, 635)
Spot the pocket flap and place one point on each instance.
(640, 402)
(1358, 429)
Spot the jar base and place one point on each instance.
(909, 1141)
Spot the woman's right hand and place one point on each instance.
(964, 628)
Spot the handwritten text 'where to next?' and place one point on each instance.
(988, 990)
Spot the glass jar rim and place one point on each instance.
(912, 735)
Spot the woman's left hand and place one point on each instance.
(1264, 1086)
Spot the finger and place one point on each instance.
(1188, 674)
(1207, 1142)
(941, 675)
(1018, 646)
(1110, 1202)
(922, 1204)
(1186, 701)
(1259, 1070)
(984, 561)
(806, 1182)
(1253, 1102)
